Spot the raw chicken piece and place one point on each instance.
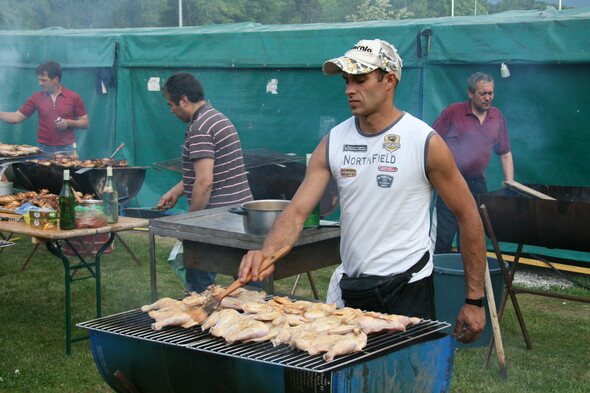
(161, 303)
(349, 344)
(211, 321)
(255, 307)
(347, 314)
(334, 345)
(371, 324)
(295, 320)
(225, 320)
(164, 313)
(246, 329)
(183, 319)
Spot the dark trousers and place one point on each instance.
(446, 223)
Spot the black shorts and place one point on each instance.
(395, 297)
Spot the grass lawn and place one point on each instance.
(32, 336)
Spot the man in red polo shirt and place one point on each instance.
(472, 130)
(60, 111)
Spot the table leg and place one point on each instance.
(55, 249)
(313, 287)
(24, 266)
(135, 258)
(153, 280)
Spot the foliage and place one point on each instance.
(86, 14)
(377, 10)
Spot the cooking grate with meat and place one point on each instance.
(245, 316)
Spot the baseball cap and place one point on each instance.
(366, 56)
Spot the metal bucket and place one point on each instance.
(259, 216)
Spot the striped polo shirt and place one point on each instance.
(212, 135)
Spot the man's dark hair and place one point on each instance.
(52, 69)
(474, 79)
(183, 84)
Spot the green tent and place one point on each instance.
(268, 80)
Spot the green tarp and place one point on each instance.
(268, 80)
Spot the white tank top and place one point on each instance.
(384, 196)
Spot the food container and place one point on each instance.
(259, 216)
(92, 203)
(90, 214)
(43, 219)
(5, 188)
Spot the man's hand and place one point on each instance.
(251, 265)
(470, 323)
(62, 124)
(167, 201)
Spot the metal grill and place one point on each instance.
(252, 159)
(137, 324)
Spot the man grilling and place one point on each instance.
(213, 169)
(59, 109)
(386, 163)
(472, 129)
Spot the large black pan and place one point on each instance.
(561, 223)
(35, 177)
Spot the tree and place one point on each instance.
(377, 10)
(508, 5)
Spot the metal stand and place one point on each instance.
(508, 291)
(54, 247)
(311, 284)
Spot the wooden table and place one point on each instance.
(52, 239)
(215, 241)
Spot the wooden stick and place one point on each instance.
(516, 186)
(495, 323)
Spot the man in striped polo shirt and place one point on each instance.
(213, 170)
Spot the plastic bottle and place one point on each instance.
(67, 204)
(110, 198)
(75, 147)
(314, 218)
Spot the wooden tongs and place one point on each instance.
(202, 313)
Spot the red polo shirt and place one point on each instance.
(470, 142)
(68, 105)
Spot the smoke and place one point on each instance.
(10, 60)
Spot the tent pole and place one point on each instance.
(179, 13)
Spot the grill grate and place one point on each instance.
(137, 324)
(252, 159)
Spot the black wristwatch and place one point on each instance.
(476, 302)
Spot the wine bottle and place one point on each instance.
(110, 198)
(67, 204)
(314, 218)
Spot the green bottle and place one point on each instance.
(314, 218)
(110, 198)
(67, 204)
